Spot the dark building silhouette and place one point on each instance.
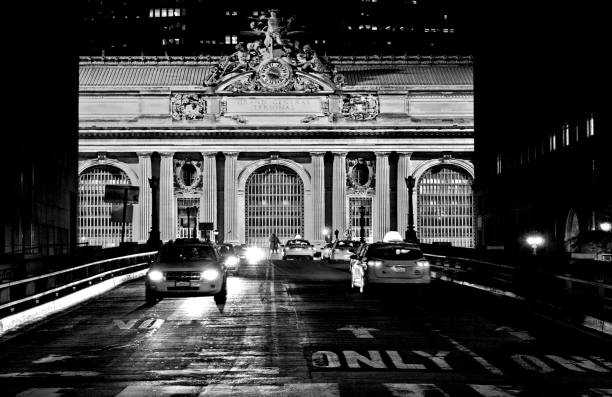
(542, 138)
(196, 27)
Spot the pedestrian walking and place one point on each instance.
(274, 242)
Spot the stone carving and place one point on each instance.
(271, 64)
(360, 176)
(187, 107)
(188, 175)
(360, 107)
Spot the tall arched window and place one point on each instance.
(445, 206)
(96, 225)
(274, 204)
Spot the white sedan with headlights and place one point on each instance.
(391, 261)
(187, 269)
(298, 249)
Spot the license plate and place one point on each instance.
(399, 269)
(182, 283)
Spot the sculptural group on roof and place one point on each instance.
(272, 41)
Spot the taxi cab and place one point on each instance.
(343, 249)
(298, 249)
(186, 268)
(391, 261)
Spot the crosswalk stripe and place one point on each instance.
(415, 390)
(158, 391)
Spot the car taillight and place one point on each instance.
(422, 264)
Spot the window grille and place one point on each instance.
(445, 207)
(355, 216)
(95, 225)
(274, 203)
(187, 219)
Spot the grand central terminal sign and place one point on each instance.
(274, 105)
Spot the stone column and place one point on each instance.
(229, 203)
(404, 169)
(381, 215)
(318, 195)
(143, 215)
(339, 193)
(167, 203)
(208, 199)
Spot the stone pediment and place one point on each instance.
(262, 81)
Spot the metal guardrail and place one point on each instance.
(588, 296)
(26, 293)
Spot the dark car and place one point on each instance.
(186, 268)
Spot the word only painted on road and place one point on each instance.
(449, 360)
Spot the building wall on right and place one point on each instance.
(542, 130)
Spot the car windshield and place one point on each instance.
(187, 253)
(298, 243)
(396, 252)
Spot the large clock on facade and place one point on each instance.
(274, 73)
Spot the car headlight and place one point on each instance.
(254, 254)
(155, 275)
(232, 261)
(422, 264)
(374, 263)
(210, 274)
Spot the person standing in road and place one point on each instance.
(274, 242)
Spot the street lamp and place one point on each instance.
(410, 232)
(326, 232)
(605, 226)
(535, 241)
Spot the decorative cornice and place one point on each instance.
(166, 154)
(317, 154)
(340, 154)
(144, 154)
(406, 154)
(210, 60)
(382, 154)
(209, 154)
(231, 154)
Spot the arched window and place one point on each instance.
(97, 226)
(274, 204)
(445, 206)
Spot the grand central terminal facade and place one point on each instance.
(272, 147)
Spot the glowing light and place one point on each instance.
(535, 240)
(392, 236)
(605, 226)
(156, 275)
(254, 254)
(210, 274)
(231, 261)
(325, 232)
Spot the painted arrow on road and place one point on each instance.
(359, 332)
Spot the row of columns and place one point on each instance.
(208, 200)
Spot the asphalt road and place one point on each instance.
(296, 329)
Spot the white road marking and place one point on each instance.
(374, 361)
(286, 390)
(124, 325)
(325, 359)
(497, 390)
(43, 392)
(599, 393)
(532, 363)
(359, 332)
(487, 365)
(50, 359)
(399, 362)
(414, 390)
(438, 359)
(576, 363)
(155, 391)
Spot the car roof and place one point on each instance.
(395, 244)
(297, 240)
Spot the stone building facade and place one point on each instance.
(278, 148)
